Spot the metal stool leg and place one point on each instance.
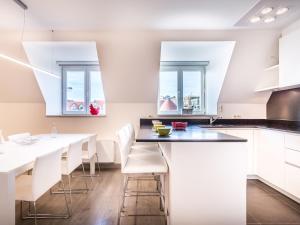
(35, 214)
(122, 197)
(99, 171)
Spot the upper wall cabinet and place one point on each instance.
(289, 58)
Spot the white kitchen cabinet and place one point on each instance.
(292, 180)
(246, 134)
(289, 54)
(270, 157)
(292, 166)
(273, 156)
(292, 141)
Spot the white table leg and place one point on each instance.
(7, 199)
(92, 165)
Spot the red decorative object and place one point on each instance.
(179, 125)
(94, 111)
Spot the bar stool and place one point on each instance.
(45, 174)
(139, 144)
(139, 166)
(140, 147)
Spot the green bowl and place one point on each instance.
(155, 127)
(164, 131)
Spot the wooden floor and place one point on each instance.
(265, 206)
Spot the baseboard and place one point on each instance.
(279, 190)
(252, 177)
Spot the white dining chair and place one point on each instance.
(136, 166)
(45, 174)
(90, 153)
(1, 137)
(69, 163)
(19, 136)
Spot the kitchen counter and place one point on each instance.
(191, 134)
(201, 162)
(277, 127)
(280, 125)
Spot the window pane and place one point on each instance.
(96, 91)
(168, 99)
(75, 97)
(192, 92)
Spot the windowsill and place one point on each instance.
(186, 115)
(88, 116)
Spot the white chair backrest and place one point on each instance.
(46, 173)
(74, 156)
(131, 133)
(20, 136)
(1, 137)
(92, 146)
(123, 141)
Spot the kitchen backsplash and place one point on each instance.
(284, 105)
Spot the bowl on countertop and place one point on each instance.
(179, 125)
(164, 131)
(157, 126)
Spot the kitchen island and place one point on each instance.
(207, 176)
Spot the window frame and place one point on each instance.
(180, 67)
(87, 86)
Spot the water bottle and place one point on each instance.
(54, 131)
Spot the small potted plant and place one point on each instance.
(94, 110)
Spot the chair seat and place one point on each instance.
(85, 155)
(154, 151)
(145, 163)
(24, 188)
(145, 148)
(150, 145)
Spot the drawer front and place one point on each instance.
(292, 141)
(292, 157)
(293, 180)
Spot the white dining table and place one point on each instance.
(16, 159)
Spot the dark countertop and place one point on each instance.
(279, 125)
(270, 127)
(191, 134)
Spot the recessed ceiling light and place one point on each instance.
(255, 19)
(269, 19)
(282, 10)
(266, 10)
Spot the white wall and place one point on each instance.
(130, 69)
(130, 61)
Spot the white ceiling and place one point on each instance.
(124, 14)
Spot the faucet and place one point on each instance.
(212, 120)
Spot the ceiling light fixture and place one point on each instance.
(28, 65)
(269, 19)
(266, 10)
(282, 10)
(255, 19)
(21, 4)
